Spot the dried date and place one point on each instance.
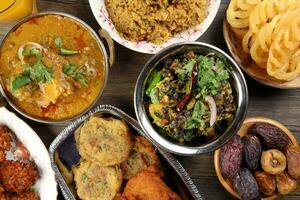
(266, 183)
(231, 157)
(246, 185)
(251, 151)
(293, 161)
(270, 136)
(285, 184)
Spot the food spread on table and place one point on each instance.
(190, 99)
(269, 33)
(18, 172)
(261, 164)
(52, 66)
(155, 21)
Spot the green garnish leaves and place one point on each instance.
(196, 119)
(20, 81)
(33, 51)
(38, 72)
(76, 72)
(58, 42)
(186, 70)
(210, 76)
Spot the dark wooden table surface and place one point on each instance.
(281, 105)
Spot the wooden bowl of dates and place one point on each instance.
(244, 130)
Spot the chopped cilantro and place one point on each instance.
(186, 70)
(76, 73)
(38, 72)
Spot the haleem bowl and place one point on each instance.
(53, 67)
(190, 98)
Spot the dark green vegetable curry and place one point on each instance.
(189, 98)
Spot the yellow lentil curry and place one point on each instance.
(52, 67)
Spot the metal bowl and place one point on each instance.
(108, 61)
(237, 81)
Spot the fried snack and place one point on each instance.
(261, 15)
(5, 141)
(18, 176)
(284, 56)
(239, 11)
(96, 182)
(147, 185)
(272, 38)
(260, 49)
(22, 196)
(105, 140)
(141, 157)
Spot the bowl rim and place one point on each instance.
(167, 145)
(217, 154)
(93, 34)
(205, 24)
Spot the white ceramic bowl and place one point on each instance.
(46, 185)
(102, 17)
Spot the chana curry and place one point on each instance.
(52, 66)
(189, 98)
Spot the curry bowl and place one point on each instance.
(53, 67)
(190, 98)
(244, 130)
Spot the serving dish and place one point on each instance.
(46, 185)
(176, 174)
(242, 132)
(102, 17)
(236, 80)
(43, 114)
(246, 63)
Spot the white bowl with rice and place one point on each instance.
(102, 16)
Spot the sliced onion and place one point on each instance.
(32, 44)
(213, 109)
(90, 70)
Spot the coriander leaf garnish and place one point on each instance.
(186, 70)
(38, 72)
(20, 81)
(76, 73)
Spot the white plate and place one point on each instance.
(102, 17)
(46, 185)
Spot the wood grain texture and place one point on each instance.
(281, 105)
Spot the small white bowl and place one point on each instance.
(192, 34)
(46, 185)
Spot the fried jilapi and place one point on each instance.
(269, 33)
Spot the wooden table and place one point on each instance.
(281, 105)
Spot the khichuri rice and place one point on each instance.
(155, 20)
